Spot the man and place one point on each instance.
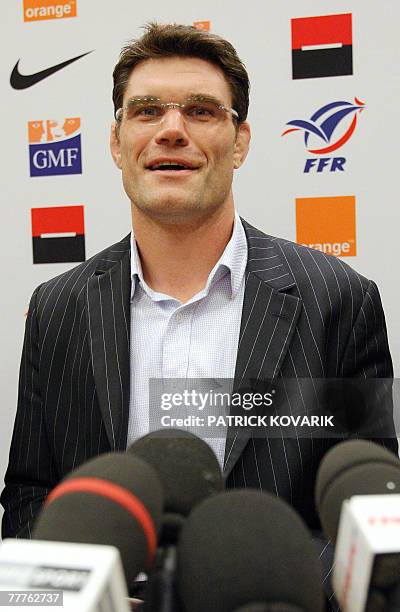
(194, 292)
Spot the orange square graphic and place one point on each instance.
(39, 10)
(202, 25)
(327, 224)
(49, 130)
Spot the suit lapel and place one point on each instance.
(268, 321)
(108, 315)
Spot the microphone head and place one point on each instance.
(268, 608)
(245, 548)
(115, 499)
(354, 467)
(187, 467)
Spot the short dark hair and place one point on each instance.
(187, 41)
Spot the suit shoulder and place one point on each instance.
(318, 260)
(308, 265)
(74, 279)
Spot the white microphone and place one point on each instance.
(358, 500)
(367, 554)
(84, 577)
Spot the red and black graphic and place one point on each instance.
(58, 234)
(322, 46)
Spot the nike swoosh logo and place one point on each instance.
(23, 81)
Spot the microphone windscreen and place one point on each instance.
(394, 599)
(115, 499)
(268, 608)
(377, 602)
(246, 547)
(354, 467)
(187, 467)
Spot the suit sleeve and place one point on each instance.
(367, 359)
(30, 474)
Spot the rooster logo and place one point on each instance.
(323, 124)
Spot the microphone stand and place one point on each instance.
(161, 593)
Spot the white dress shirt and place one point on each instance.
(197, 339)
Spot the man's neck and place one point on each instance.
(178, 258)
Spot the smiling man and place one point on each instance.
(177, 141)
(193, 292)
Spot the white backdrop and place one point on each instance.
(266, 187)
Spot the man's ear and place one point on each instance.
(115, 145)
(242, 144)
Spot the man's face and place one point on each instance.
(211, 151)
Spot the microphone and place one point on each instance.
(358, 501)
(189, 472)
(108, 502)
(186, 466)
(247, 551)
(82, 577)
(268, 608)
(354, 467)
(115, 500)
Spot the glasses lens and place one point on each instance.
(203, 112)
(142, 111)
(152, 111)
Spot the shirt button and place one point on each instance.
(179, 317)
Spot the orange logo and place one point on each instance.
(327, 224)
(202, 25)
(38, 10)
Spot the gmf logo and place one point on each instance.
(55, 147)
(38, 10)
(328, 129)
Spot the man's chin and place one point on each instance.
(173, 208)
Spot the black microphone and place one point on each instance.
(268, 608)
(189, 472)
(354, 467)
(367, 554)
(248, 550)
(115, 499)
(186, 466)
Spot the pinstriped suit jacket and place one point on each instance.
(305, 314)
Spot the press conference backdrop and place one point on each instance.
(323, 167)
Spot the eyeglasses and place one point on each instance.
(197, 110)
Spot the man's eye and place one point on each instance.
(147, 112)
(201, 111)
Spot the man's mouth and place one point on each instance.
(171, 167)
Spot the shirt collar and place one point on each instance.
(232, 260)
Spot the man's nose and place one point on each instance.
(172, 129)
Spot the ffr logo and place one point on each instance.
(328, 129)
(332, 164)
